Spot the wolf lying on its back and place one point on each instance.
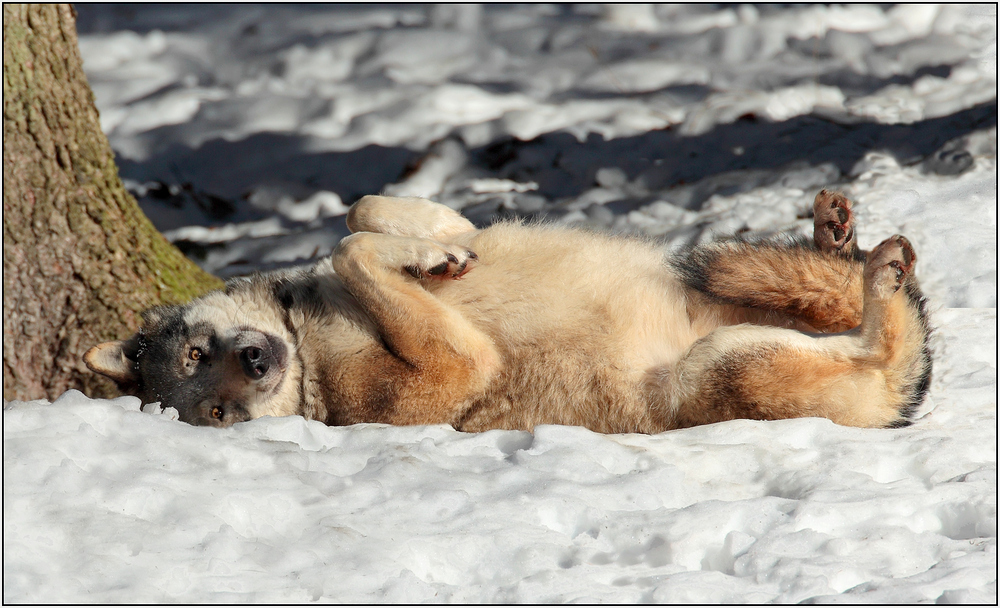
(419, 318)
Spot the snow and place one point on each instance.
(245, 131)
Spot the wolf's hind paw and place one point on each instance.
(889, 264)
(833, 223)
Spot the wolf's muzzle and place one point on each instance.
(256, 361)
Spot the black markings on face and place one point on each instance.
(179, 364)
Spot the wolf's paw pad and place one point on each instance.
(833, 223)
(889, 264)
(450, 263)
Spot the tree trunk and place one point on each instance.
(80, 260)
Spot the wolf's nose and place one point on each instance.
(255, 362)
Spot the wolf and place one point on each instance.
(418, 317)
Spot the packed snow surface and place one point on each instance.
(107, 504)
(245, 132)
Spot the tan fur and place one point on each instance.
(571, 327)
(798, 282)
(419, 318)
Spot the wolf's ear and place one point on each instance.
(111, 359)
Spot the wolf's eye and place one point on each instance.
(217, 413)
(194, 354)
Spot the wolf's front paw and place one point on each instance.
(446, 262)
(888, 265)
(833, 223)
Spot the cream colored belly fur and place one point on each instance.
(594, 322)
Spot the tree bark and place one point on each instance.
(80, 260)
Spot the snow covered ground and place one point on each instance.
(245, 132)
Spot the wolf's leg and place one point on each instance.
(431, 359)
(874, 376)
(818, 283)
(407, 216)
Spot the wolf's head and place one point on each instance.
(224, 358)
